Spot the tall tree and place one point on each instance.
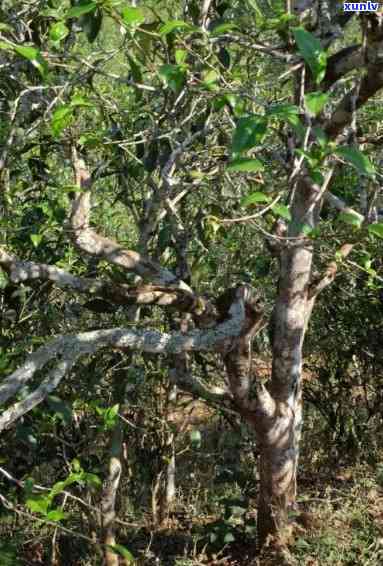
(190, 83)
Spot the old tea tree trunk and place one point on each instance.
(278, 427)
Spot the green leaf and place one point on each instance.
(36, 239)
(244, 164)
(78, 100)
(376, 229)
(175, 25)
(62, 116)
(78, 11)
(315, 102)
(34, 56)
(256, 8)
(121, 551)
(249, 132)
(321, 137)
(223, 28)
(255, 198)
(58, 31)
(38, 504)
(290, 114)
(92, 480)
(111, 416)
(285, 111)
(356, 158)
(133, 16)
(228, 538)
(181, 56)
(351, 218)
(210, 77)
(58, 488)
(196, 438)
(5, 27)
(173, 76)
(312, 52)
(6, 46)
(282, 210)
(56, 515)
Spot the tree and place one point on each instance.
(179, 84)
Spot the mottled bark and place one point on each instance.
(108, 497)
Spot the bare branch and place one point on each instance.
(120, 294)
(371, 83)
(71, 347)
(340, 205)
(321, 283)
(88, 241)
(341, 63)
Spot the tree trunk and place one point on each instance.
(279, 432)
(108, 502)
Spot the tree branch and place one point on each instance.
(70, 348)
(324, 281)
(371, 83)
(341, 63)
(88, 241)
(119, 294)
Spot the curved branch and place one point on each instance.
(88, 241)
(119, 294)
(341, 63)
(329, 275)
(71, 347)
(371, 83)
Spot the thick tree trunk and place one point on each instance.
(279, 433)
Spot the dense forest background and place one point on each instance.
(180, 182)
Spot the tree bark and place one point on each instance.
(279, 433)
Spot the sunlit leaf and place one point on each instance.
(175, 25)
(133, 16)
(78, 100)
(61, 118)
(181, 56)
(58, 31)
(315, 102)
(56, 515)
(250, 165)
(38, 504)
(282, 210)
(36, 239)
(376, 229)
(122, 551)
(351, 218)
(255, 198)
(223, 28)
